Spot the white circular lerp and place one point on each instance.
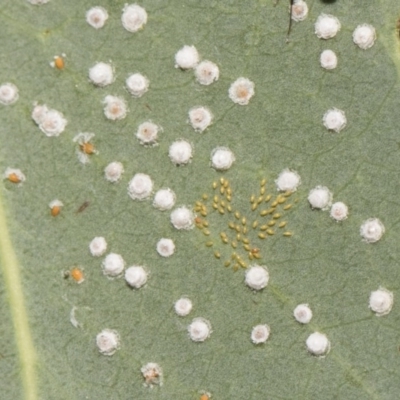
(320, 198)
(241, 91)
(187, 57)
(140, 187)
(318, 344)
(299, 10)
(182, 218)
(114, 107)
(101, 74)
(199, 330)
(113, 171)
(364, 36)
(165, 247)
(107, 342)
(53, 123)
(136, 276)
(164, 199)
(8, 94)
(288, 180)
(207, 72)
(339, 211)
(381, 301)
(327, 26)
(96, 17)
(222, 158)
(372, 230)
(328, 59)
(200, 118)
(137, 84)
(257, 277)
(180, 152)
(302, 313)
(113, 265)
(183, 306)
(133, 17)
(98, 246)
(334, 120)
(147, 133)
(260, 334)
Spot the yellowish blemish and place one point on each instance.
(55, 210)
(13, 177)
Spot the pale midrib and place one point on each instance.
(11, 273)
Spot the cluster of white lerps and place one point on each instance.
(133, 17)
(200, 117)
(326, 27)
(320, 198)
(114, 265)
(115, 108)
(206, 72)
(380, 301)
(317, 343)
(102, 74)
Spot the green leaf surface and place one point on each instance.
(325, 264)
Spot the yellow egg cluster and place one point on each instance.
(243, 232)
